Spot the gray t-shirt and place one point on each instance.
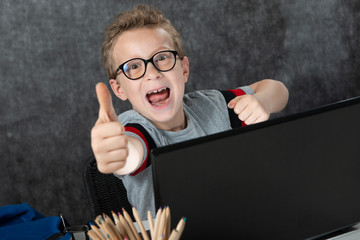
(206, 112)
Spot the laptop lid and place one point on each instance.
(294, 177)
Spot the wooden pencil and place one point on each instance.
(100, 222)
(151, 223)
(157, 223)
(140, 224)
(108, 220)
(97, 219)
(167, 223)
(93, 235)
(161, 225)
(128, 231)
(112, 227)
(107, 227)
(119, 226)
(173, 235)
(97, 231)
(180, 227)
(110, 234)
(131, 224)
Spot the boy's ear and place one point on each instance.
(185, 67)
(117, 89)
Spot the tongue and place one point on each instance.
(158, 98)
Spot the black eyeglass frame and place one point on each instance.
(151, 60)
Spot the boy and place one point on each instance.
(146, 63)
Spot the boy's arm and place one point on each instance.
(270, 96)
(114, 151)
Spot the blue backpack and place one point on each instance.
(21, 221)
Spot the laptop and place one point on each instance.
(295, 177)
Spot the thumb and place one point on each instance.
(106, 110)
(233, 102)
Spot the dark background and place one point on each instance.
(50, 62)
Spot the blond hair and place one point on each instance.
(138, 17)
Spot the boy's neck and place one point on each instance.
(180, 123)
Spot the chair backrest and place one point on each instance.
(105, 192)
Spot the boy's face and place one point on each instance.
(158, 96)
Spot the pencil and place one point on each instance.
(97, 219)
(131, 224)
(110, 234)
(101, 224)
(139, 222)
(118, 224)
(151, 223)
(96, 231)
(167, 222)
(180, 227)
(112, 228)
(157, 223)
(160, 232)
(93, 235)
(173, 235)
(108, 220)
(128, 231)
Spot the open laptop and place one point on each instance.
(295, 177)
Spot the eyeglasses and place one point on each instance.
(136, 68)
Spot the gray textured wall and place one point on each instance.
(50, 62)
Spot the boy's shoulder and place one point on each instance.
(215, 95)
(132, 116)
(202, 95)
(205, 103)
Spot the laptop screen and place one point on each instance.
(294, 177)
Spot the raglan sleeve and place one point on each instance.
(139, 132)
(229, 95)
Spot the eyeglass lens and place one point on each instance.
(135, 68)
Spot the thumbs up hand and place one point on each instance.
(108, 141)
(110, 145)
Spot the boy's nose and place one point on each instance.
(151, 72)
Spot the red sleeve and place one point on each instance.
(237, 92)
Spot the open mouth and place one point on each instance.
(158, 97)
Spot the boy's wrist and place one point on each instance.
(134, 158)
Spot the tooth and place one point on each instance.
(156, 91)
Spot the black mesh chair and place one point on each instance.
(105, 192)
